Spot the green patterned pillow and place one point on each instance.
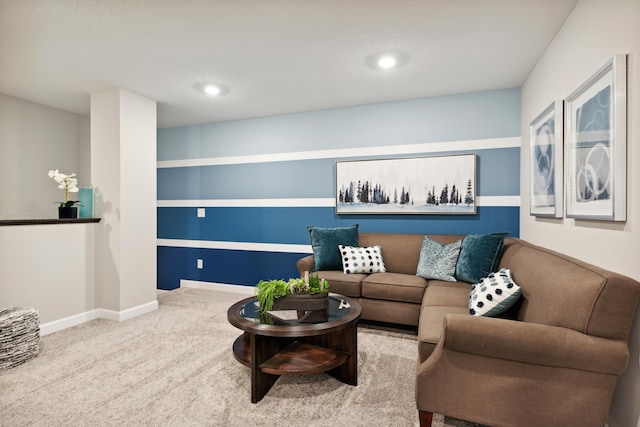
(494, 294)
(480, 255)
(438, 261)
(325, 241)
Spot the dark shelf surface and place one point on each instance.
(48, 221)
(302, 358)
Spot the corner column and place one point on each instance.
(123, 174)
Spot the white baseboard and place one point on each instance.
(98, 313)
(119, 316)
(239, 289)
(67, 322)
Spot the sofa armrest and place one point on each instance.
(534, 344)
(305, 264)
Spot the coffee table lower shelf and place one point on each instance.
(298, 358)
(270, 357)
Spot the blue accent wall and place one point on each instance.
(288, 225)
(255, 179)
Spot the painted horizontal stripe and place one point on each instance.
(389, 150)
(460, 117)
(233, 267)
(264, 229)
(497, 174)
(498, 201)
(288, 225)
(319, 202)
(235, 246)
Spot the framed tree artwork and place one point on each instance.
(417, 185)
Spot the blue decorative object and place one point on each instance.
(85, 196)
(438, 261)
(325, 241)
(479, 256)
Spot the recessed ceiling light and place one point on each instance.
(212, 90)
(387, 62)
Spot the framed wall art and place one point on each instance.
(596, 145)
(417, 185)
(546, 147)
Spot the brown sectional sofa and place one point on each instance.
(551, 360)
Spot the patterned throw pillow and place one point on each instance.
(438, 261)
(361, 260)
(494, 294)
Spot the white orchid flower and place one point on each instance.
(68, 183)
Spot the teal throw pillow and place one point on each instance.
(479, 256)
(325, 241)
(438, 261)
(494, 294)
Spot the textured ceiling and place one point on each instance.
(273, 56)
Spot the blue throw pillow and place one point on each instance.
(325, 241)
(438, 261)
(480, 255)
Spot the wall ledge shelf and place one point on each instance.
(48, 221)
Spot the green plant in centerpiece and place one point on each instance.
(269, 290)
(68, 183)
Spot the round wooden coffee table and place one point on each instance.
(272, 346)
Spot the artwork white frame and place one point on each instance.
(546, 166)
(407, 186)
(596, 145)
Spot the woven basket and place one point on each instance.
(19, 336)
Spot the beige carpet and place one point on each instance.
(174, 367)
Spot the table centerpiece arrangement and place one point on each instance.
(307, 293)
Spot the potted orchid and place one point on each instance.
(69, 184)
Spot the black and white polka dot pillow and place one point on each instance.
(361, 260)
(494, 294)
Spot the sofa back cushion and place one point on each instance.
(400, 252)
(558, 290)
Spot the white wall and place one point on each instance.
(54, 267)
(595, 31)
(50, 267)
(33, 140)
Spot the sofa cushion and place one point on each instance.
(344, 284)
(437, 260)
(325, 241)
(479, 256)
(494, 294)
(446, 294)
(361, 260)
(394, 287)
(431, 325)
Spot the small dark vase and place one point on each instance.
(68, 212)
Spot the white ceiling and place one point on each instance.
(274, 56)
